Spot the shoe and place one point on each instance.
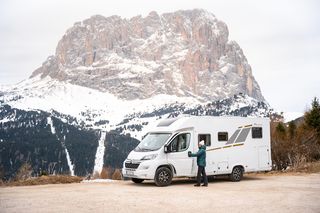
(204, 185)
(197, 185)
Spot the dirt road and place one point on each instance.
(256, 193)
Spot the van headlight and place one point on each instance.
(149, 157)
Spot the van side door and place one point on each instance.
(177, 154)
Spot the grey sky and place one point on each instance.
(280, 38)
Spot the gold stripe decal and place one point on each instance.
(214, 149)
(224, 147)
(250, 125)
(239, 144)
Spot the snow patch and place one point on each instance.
(53, 131)
(71, 166)
(98, 162)
(98, 181)
(49, 122)
(5, 120)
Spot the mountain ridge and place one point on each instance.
(184, 53)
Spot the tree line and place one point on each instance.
(297, 142)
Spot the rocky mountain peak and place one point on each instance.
(184, 53)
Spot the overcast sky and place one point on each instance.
(280, 38)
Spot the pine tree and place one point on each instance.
(312, 117)
(281, 130)
(292, 129)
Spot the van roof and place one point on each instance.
(173, 124)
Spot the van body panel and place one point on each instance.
(231, 141)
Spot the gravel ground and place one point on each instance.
(255, 193)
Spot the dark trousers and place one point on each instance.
(202, 171)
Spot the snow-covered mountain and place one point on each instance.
(106, 70)
(116, 77)
(185, 53)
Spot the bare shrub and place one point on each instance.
(24, 172)
(106, 173)
(55, 179)
(299, 160)
(117, 175)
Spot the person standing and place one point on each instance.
(201, 162)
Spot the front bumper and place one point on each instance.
(144, 169)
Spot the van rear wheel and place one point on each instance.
(237, 174)
(163, 177)
(136, 180)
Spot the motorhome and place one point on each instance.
(234, 145)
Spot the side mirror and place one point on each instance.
(165, 149)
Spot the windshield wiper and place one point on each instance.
(137, 149)
(146, 149)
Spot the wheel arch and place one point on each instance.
(169, 166)
(239, 165)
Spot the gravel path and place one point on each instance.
(255, 193)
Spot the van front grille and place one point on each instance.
(132, 165)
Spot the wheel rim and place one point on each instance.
(237, 173)
(164, 177)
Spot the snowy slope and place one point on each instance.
(87, 105)
(101, 110)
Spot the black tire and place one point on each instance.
(163, 176)
(136, 180)
(237, 174)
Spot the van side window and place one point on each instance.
(206, 138)
(180, 142)
(256, 132)
(222, 136)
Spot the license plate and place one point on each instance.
(129, 173)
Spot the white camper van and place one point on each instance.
(234, 145)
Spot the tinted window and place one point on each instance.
(180, 143)
(206, 138)
(222, 136)
(243, 135)
(256, 132)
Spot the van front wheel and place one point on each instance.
(163, 177)
(236, 175)
(136, 180)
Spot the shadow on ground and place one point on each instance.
(191, 181)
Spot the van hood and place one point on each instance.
(133, 155)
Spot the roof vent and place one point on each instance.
(167, 122)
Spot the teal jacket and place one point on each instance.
(201, 156)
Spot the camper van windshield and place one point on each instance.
(152, 142)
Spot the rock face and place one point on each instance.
(185, 53)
